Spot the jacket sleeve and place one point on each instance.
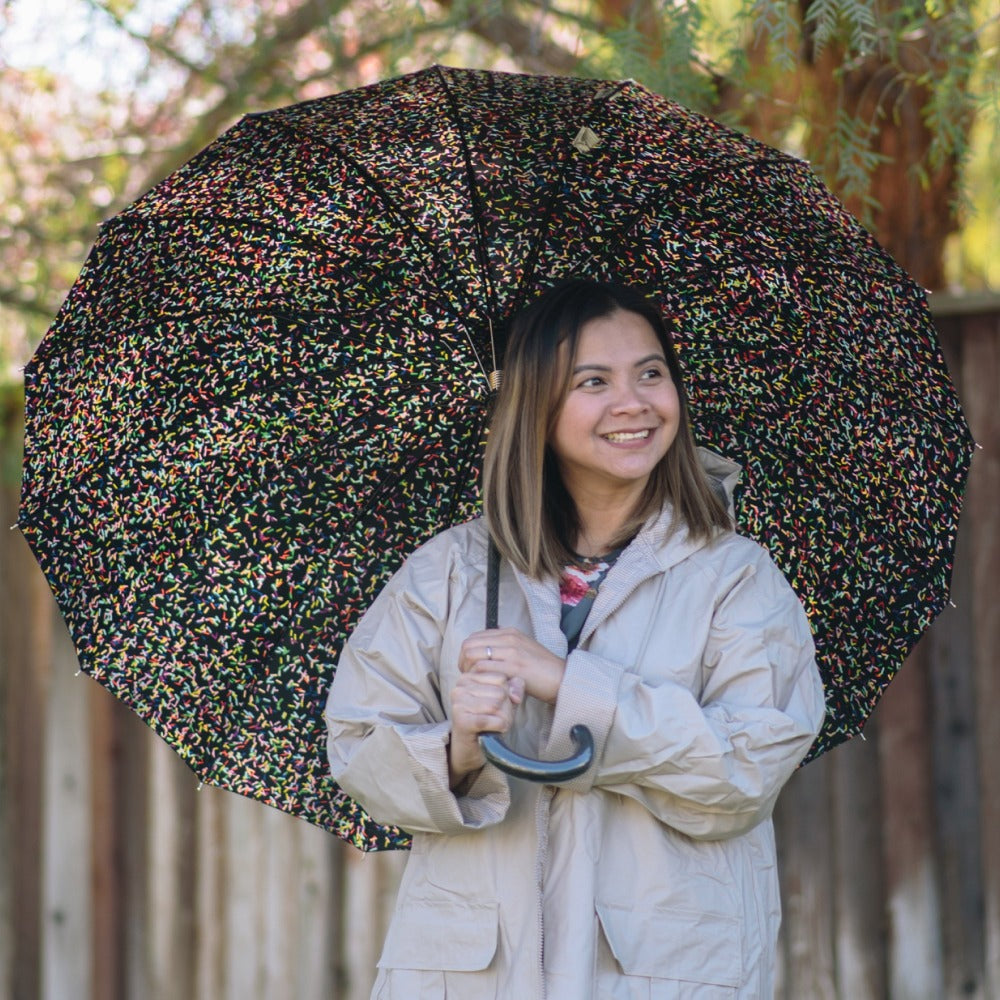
(387, 728)
(709, 766)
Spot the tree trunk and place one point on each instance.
(910, 204)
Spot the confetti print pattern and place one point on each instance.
(268, 385)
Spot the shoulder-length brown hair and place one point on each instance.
(530, 514)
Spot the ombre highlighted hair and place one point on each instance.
(529, 511)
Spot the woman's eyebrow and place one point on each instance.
(648, 358)
(586, 366)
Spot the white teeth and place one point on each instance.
(632, 436)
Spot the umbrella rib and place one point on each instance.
(96, 470)
(748, 253)
(466, 463)
(477, 209)
(128, 219)
(125, 223)
(547, 215)
(406, 223)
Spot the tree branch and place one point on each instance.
(266, 53)
(505, 30)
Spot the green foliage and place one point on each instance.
(11, 433)
(853, 162)
(773, 25)
(971, 258)
(669, 64)
(851, 22)
(75, 149)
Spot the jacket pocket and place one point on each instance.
(659, 943)
(441, 934)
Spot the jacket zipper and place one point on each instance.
(541, 863)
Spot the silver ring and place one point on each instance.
(489, 652)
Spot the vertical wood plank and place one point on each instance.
(279, 874)
(9, 425)
(360, 916)
(137, 742)
(265, 902)
(6, 838)
(66, 843)
(339, 929)
(805, 864)
(915, 945)
(170, 912)
(106, 828)
(957, 803)
(371, 882)
(27, 614)
(858, 890)
(314, 960)
(981, 392)
(242, 976)
(210, 902)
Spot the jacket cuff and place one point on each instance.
(486, 800)
(482, 802)
(588, 694)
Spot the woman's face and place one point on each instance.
(622, 411)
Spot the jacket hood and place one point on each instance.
(664, 540)
(723, 476)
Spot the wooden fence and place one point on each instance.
(120, 879)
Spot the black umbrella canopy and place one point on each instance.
(269, 384)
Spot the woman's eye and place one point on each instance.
(652, 373)
(592, 382)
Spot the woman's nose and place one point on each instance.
(628, 400)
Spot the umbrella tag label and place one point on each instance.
(586, 140)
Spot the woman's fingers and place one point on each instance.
(515, 689)
(483, 648)
(515, 654)
(484, 702)
(498, 649)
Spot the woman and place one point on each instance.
(627, 603)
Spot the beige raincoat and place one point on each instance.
(653, 875)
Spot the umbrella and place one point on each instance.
(270, 383)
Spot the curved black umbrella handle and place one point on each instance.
(497, 752)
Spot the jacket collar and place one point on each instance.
(661, 543)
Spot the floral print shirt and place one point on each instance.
(578, 587)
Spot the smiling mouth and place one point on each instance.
(621, 436)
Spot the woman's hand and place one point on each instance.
(482, 701)
(515, 655)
